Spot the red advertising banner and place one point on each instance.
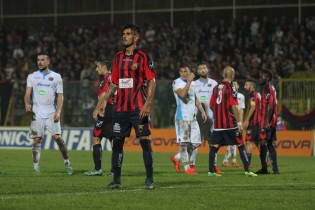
(289, 143)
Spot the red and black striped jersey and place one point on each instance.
(222, 99)
(255, 97)
(131, 74)
(103, 85)
(269, 96)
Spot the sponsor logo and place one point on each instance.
(203, 91)
(291, 144)
(43, 85)
(116, 127)
(42, 92)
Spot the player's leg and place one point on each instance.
(263, 152)
(216, 140)
(233, 153)
(176, 158)
(55, 129)
(195, 137)
(272, 150)
(142, 129)
(37, 129)
(225, 162)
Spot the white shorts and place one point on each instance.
(38, 126)
(187, 131)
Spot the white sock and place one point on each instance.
(177, 157)
(227, 154)
(233, 152)
(184, 156)
(193, 157)
(215, 159)
(66, 161)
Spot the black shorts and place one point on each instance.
(103, 125)
(124, 121)
(205, 128)
(227, 137)
(270, 135)
(252, 133)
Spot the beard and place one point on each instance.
(43, 68)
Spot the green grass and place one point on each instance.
(294, 188)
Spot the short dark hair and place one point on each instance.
(133, 27)
(202, 63)
(105, 62)
(44, 53)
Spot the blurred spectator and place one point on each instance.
(280, 124)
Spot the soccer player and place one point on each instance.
(133, 76)
(268, 123)
(45, 86)
(186, 125)
(251, 122)
(204, 88)
(231, 150)
(103, 124)
(227, 124)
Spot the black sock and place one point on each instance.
(97, 156)
(244, 158)
(117, 158)
(147, 157)
(249, 156)
(273, 157)
(213, 151)
(263, 154)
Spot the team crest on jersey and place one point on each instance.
(135, 66)
(209, 85)
(140, 128)
(50, 78)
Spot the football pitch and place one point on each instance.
(294, 188)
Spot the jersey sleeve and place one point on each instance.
(212, 99)
(29, 81)
(148, 67)
(115, 70)
(242, 102)
(59, 84)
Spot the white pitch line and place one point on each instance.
(131, 190)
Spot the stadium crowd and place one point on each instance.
(281, 44)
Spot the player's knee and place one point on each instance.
(37, 140)
(145, 144)
(96, 140)
(118, 144)
(57, 138)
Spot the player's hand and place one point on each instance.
(56, 117)
(101, 112)
(95, 113)
(204, 117)
(145, 111)
(191, 76)
(245, 125)
(239, 126)
(28, 107)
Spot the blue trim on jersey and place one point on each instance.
(178, 129)
(204, 83)
(179, 114)
(44, 75)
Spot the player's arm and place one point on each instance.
(202, 111)
(250, 114)
(59, 107)
(111, 90)
(237, 117)
(269, 111)
(99, 105)
(145, 110)
(182, 92)
(27, 99)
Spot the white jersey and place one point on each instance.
(241, 101)
(185, 108)
(204, 92)
(45, 87)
